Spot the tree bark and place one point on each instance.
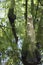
(39, 36)
(29, 46)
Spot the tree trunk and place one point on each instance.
(29, 46)
(39, 37)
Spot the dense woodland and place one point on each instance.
(21, 32)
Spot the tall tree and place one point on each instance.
(30, 49)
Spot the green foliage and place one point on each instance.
(6, 36)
